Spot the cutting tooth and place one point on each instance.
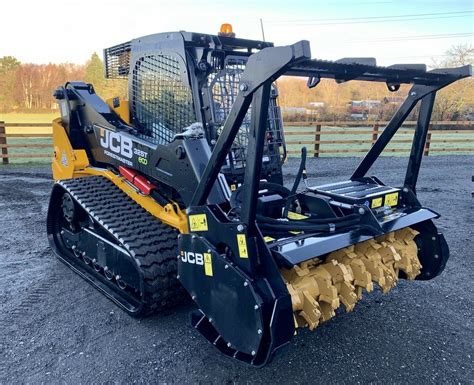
(327, 311)
(362, 278)
(408, 250)
(372, 256)
(311, 311)
(296, 301)
(342, 279)
(327, 291)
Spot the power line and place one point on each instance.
(418, 37)
(373, 19)
(383, 21)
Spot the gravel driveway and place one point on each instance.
(56, 328)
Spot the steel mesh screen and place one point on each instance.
(117, 61)
(162, 105)
(224, 85)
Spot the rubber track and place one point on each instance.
(153, 244)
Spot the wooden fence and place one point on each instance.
(296, 133)
(366, 133)
(24, 141)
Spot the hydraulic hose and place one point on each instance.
(301, 170)
(328, 225)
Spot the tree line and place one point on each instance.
(27, 87)
(454, 102)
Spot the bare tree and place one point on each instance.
(454, 101)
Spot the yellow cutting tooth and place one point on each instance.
(362, 277)
(311, 311)
(342, 279)
(373, 260)
(347, 295)
(406, 246)
(327, 291)
(296, 301)
(327, 311)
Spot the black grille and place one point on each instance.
(117, 61)
(224, 85)
(162, 105)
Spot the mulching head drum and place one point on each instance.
(318, 288)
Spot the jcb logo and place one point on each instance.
(116, 143)
(193, 258)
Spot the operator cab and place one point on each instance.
(179, 78)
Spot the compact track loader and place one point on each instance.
(180, 190)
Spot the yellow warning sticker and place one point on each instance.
(233, 187)
(376, 202)
(198, 222)
(296, 216)
(208, 264)
(391, 199)
(268, 239)
(242, 243)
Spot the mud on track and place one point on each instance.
(56, 328)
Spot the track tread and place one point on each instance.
(152, 243)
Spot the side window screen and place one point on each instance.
(162, 105)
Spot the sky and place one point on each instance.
(393, 31)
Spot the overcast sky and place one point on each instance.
(390, 30)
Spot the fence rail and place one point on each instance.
(24, 142)
(369, 135)
(296, 133)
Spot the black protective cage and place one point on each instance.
(268, 65)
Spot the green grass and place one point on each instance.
(436, 135)
(28, 118)
(13, 117)
(30, 150)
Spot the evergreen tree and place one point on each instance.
(8, 63)
(95, 74)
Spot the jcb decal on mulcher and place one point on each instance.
(193, 258)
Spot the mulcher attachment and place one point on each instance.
(318, 288)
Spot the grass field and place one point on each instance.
(28, 118)
(354, 148)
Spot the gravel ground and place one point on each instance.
(56, 328)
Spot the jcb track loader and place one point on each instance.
(180, 189)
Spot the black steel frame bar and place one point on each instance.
(226, 138)
(266, 66)
(260, 102)
(387, 134)
(419, 139)
(417, 92)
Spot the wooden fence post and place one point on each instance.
(428, 141)
(375, 133)
(317, 139)
(3, 143)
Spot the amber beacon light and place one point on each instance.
(226, 30)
